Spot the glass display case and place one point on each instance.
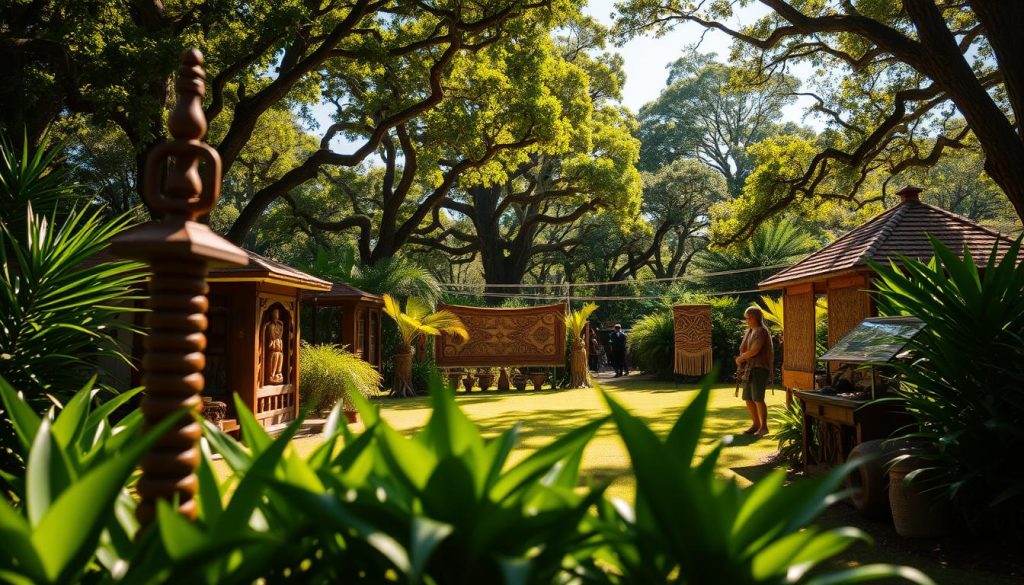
(855, 365)
(840, 413)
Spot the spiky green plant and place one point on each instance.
(788, 423)
(59, 311)
(32, 177)
(966, 387)
(444, 506)
(651, 343)
(774, 243)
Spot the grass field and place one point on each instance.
(545, 415)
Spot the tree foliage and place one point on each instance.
(703, 114)
(532, 209)
(898, 85)
(376, 64)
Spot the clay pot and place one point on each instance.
(503, 381)
(520, 381)
(454, 377)
(485, 380)
(468, 383)
(917, 512)
(351, 416)
(538, 379)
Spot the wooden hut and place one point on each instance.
(344, 315)
(840, 272)
(253, 338)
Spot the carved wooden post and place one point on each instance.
(181, 181)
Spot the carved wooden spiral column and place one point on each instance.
(181, 182)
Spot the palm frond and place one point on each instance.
(576, 320)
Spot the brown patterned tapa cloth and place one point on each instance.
(692, 326)
(533, 336)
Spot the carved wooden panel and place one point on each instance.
(533, 336)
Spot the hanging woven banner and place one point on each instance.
(531, 336)
(692, 325)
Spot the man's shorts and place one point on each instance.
(757, 381)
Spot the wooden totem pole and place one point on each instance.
(182, 183)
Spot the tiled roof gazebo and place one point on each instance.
(840, 271)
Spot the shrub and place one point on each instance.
(58, 313)
(789, 431)
(652, 343)
(966, 388)
(330, 374)
(422, 372)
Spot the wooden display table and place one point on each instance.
(833, 426)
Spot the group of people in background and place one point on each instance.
(614, 351)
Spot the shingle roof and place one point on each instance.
(900, 230)
(263, 267)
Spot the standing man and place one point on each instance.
(595, 351)
(618, 345)
(758, 356)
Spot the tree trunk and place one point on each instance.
(1003, 147)
(402, 386)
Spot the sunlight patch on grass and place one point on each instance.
(548, 414)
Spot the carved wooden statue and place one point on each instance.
(273, 348)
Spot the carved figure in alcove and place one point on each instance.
(273, 352)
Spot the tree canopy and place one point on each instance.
(899, 84)
(701, 114)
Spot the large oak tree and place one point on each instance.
(592, 166)
(701, 114)
(113, 61)
(894, 80)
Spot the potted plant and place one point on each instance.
(485, 377)
(415, 322)
(519, 380)
(468, 382)
(330, 373)
(963, 387)
(538, 377)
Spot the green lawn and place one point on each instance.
(547, 414)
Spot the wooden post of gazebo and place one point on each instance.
(178, 248)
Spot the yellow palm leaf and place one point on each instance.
(576, 320)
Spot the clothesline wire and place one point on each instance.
(683, 278)
(559, 297)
